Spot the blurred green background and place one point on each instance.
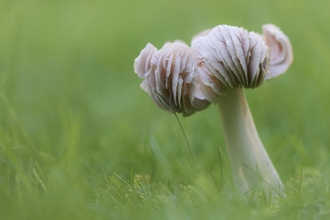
(72, 112)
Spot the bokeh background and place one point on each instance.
(72, 111)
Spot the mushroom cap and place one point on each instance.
(185, 80)
(229, 58)
(170, 78)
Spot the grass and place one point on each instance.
(80, 140)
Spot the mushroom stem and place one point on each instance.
(251, 166)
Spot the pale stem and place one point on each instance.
(251, 166)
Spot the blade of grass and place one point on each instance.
(160, 156)
(184, 133)
(220, 164)
(215, 182)
(14, 116)
(301, 167)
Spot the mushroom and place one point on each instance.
(228, 59)
(221, 62)
(169, 76)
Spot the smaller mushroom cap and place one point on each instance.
(170, 78)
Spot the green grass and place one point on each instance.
(80, 140)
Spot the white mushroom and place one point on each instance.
(170, 78)
(228, 59)
(219, 64)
